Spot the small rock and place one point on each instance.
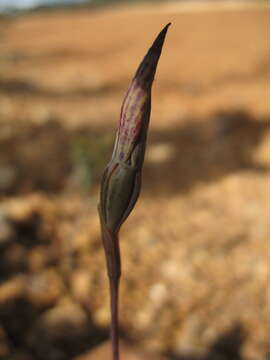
(63, 329)
(65, 320)
(12, 289)
(44, 289)
(102, 316)
(158, 293)
(37, 259)
(186, 336)
(80, 285)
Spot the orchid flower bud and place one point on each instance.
(121, 180)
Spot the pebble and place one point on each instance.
(44, 289)
(67, 319)
(158, 293)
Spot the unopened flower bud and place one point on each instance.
(121, 180)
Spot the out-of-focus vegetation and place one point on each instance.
(88, 156)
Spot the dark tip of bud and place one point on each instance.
(158, 43)
(146, 71)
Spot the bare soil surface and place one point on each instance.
(195, 251)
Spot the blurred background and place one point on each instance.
(195, 251)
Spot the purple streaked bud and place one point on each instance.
(121, 180)
(135, 111)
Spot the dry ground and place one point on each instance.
(196, 249)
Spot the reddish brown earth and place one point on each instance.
(196, 249)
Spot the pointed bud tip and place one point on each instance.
(147, 68)
(167, 26)
(158, 43)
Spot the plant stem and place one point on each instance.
(113, 260)
(114, 290)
